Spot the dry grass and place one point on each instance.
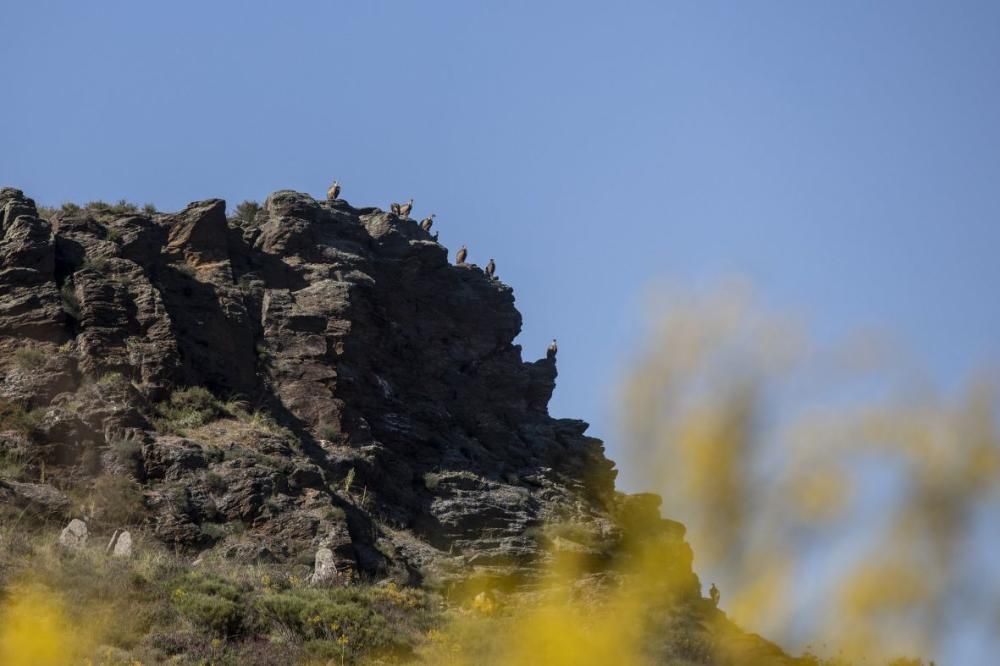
(157, 607)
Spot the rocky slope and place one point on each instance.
(366, 395)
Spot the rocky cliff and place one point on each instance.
(356, 391)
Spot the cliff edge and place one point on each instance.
(312, 375)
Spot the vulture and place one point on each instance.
(462, 254)
(491, 268)
(426, 223)
(394, 208)
(334, 192)
(404, 210)
(552, 350)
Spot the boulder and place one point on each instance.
(123, 545)
(74, 536)
(324, 569)
(34, 499)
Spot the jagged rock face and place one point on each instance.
(417, 440)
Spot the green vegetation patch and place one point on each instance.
(29, 358)
(190, 407)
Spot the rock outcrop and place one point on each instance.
(369, 400)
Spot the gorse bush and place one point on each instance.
(322, 614)
(160, 607)
(210, 601)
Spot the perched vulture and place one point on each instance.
(404, 210)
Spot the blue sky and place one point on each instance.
(845, 158)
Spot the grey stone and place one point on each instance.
(74, 536)
(34, 499)
(111, 542)
(123, 545)
(324, 569)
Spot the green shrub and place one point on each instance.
(103, 211)
(324, 614)
(180, 499)
(217, 614)
(111, 379)
(14, 416)
(335, 514)
(215, 482)
(46, 212)
(245, 213)
(29, 358)
(190, 407)
(96, 264)
(127, 451)
(90, 457)
(213, 531)
(70, 303)
(13, 463)
(328, 431)
(115, 501)
(208, 583)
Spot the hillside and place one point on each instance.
(310, 387)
